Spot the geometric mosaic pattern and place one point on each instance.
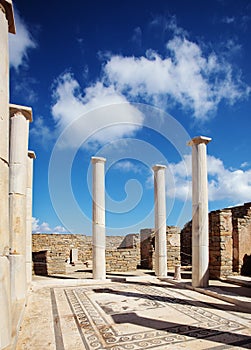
(104, 315)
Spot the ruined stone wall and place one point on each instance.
(121, 260)
(186, 244)
(147, 244)
(48, 263)
(60, 245)
(229, 241)
(242, 239)
(220, 243)
(147, 238)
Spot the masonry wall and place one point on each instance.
(229, 242)
(220, 243)
(242, 239)
(147, 239)
(122, 253)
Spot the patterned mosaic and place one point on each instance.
(103, 313)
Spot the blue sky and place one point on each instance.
(132, 81)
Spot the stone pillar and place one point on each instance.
(6, 25)
(98, 218)
(20, 117)
(29, 191)
(200, 239)
(160, 220)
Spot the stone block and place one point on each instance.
(4, 208)
(17, 223)
(18, 178)
(18, 277)
(5, 305)
(74, 255)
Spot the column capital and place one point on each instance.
(199, 139)
(32, 154)
(9, 13)
(158, 167)
(24, 110)
(98, 160)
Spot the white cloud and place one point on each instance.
(128, 166)
(20, 43)
(44, 227)
(98, 112)
(232, 185)
(245, 164)
(186, 76)
(41, 132)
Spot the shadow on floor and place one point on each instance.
(195, 332)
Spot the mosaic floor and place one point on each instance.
(141, 316)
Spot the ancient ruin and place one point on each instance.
(216, 245)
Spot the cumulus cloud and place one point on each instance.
(44, 227)
(223, 183)
(20, 43)
(97, 112)
(194, 80)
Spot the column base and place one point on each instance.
(5, 304)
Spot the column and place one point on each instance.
(6, 25)
(200, 240)
(20, 117)
(29, 191)
(160, 220)
(98, 218)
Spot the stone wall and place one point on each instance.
(229, 242)
(147, 245)
(121, 260)
(147, 239)
(122, 253)
(186, 244)
(48, 263)
(242, 239)
(220, 243)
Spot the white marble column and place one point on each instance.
(20, 117)
(98, 218)
(6, 26)
(29, 192)
(200, 240)
(160, 220)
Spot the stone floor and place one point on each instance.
(133, 312)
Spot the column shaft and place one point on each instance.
(160, 220)
(19, 129)
(200, 240)
(98, 218)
